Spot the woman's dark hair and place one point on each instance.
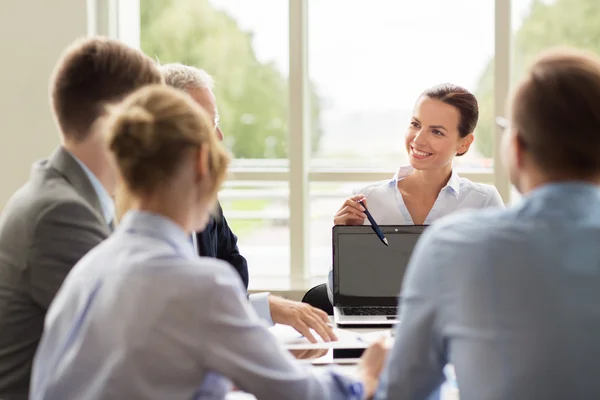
(461, 99)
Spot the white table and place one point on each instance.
(345, 365)
(349, 365)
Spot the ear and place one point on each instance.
(202, 162)
(518, 150)
(465, 144)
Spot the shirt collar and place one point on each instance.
(402, 173)
(405, 170)
(106, 202)
(159, 227)
(454, 182)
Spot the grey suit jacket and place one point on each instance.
(46, 227)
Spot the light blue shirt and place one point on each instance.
(509, 297)
(142, 317)
(387, 207)
(260, 301)
(106, 202)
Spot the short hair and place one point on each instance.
(186, 77)
(150, 132)
(91, 73)
(556, 112)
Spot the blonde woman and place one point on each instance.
(142, 316)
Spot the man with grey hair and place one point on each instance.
(217, 240)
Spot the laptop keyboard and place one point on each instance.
(369, 310)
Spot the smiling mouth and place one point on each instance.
(419, 154)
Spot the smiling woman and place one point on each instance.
(441, 128)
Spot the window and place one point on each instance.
(258, 212)
(542, 24)
(248, 59)
(368, 80)
(314, 103)
(371, 68)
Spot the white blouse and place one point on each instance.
(387, 207)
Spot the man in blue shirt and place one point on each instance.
(218, 241)
(510, 297)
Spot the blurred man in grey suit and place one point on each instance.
(66, 208)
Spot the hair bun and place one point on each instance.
(135, 130)
(138, 115)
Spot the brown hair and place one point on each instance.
(461, 99)
(91, 72)
(556, 113)
(150, 134)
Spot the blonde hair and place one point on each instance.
(149, 134)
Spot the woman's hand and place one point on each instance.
(351, 212)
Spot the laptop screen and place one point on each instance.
(367, 272)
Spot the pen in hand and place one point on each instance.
(374, 225)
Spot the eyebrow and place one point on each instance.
(431, 126)
(438, 127)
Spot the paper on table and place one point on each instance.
(292, 340)
(371, 337)
(239, 396)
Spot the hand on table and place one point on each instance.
(351, 212)
(302, 317)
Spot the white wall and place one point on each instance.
(32, 35)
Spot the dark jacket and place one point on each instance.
(218, 241)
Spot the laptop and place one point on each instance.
(367, 275)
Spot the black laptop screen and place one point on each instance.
(366, 270)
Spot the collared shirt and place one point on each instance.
(142, 316)
(387, 206)
(260, 301)
(509, 297)
(106, 201)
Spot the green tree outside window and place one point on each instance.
(252, 96)
(549, 23)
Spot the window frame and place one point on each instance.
(117, 19)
